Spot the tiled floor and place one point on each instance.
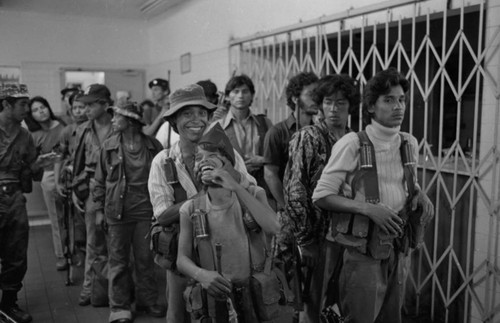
(45, 294)
(49, 300)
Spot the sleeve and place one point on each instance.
(27, 175)
(64, 141)
(272, 147)
(160, 192)
(343, 162)
(239, 165)
(299, 209)
(99, 193)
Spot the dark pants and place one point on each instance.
(373, 290)
(14, 235)
(121, 238)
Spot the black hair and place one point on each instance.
(75, 96)
(381, 84)
(208, 146)
(331, 84)
(297, 84)
(34, 125)
(237, 81)
(147, 102)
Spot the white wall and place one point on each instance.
(43, 44)
(205, 27)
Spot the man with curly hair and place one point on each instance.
(299, 98)
(310, 149)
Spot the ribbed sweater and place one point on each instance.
(343, 164)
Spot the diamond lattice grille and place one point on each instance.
(453, 111)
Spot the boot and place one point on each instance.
(11, 309)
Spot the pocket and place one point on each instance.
(113, 172)
(193, 297)
(266, 295)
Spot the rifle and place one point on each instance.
(298, 303)
(68, 226)
(4, 318)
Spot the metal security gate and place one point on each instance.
(450, 54)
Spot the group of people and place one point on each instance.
(230, 205)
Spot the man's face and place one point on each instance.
(241, 97)
(96, 109)
(191, 122)
(19, 110)
(158, 93)
(389, 109)
(40, 112)
(336, 109)
(305, 102)
(78, 110)
(119, 122)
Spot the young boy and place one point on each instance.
(227, 204)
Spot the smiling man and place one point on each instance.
(376, 262)
(172, 178)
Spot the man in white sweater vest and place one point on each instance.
(372, 289)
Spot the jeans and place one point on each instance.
(176, 285)
(55, 209)
(121, 239)
(96, 242)
(372, 290)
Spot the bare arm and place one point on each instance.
(214, 283)
(274, 183)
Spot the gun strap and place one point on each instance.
(172, 178)
(369, 173)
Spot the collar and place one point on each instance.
(230, 117)
(382, 133)
(290, 122)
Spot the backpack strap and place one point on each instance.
(408, 165)
(172, 178)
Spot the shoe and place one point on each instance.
(121, 321)
(17, 314)
(61, 264)
(153, 310)
(84, 300)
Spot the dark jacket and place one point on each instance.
(111, 182)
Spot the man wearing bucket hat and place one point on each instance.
(172, 179)
(121, 196)
(90, 136)
(18, 166)
(153, 117)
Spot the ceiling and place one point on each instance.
(118, 9)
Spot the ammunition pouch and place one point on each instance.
(195, 299)
(360, 233)
(271, 294)
(81, 185)
(164, 243)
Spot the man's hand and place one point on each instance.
(386, 218)
(230, 169)
(80, 206)
(221, 177)
(254, 162)
(422, 200)
(60, 189)
(100, 223)
(309, 255)
(214, 283)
